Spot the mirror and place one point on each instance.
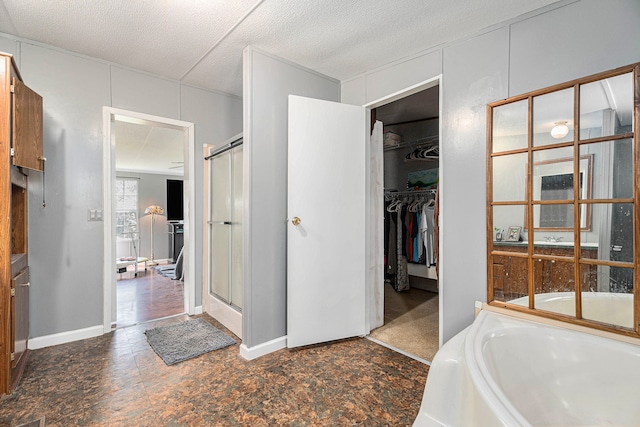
(576, 268)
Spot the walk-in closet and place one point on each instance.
(411, 162)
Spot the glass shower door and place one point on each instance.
(225, 227)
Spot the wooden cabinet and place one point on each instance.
(21, 151)
(511, 273)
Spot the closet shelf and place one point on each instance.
(427, 141)
(393, 194)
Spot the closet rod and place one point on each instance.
(227, 147)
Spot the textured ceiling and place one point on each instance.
(200, 42)
(149, 148)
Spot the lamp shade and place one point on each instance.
(154, 210)
(560, 130)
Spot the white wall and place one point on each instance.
(65, 250)
(555, 44)
(268, 81)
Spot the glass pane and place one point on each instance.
(606, 107)
(611, 238)
(509, 178)
(220, 227)
(612, 168)
(220, 196)
(236, 229)
(554, 284)
(220, 261)
(510, 126)
(552, 177)
(506, 219)
(510, 279)
(553, 117)
(556, 244)
(552, 218)
(610, 296)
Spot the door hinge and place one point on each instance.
(12, 152)
(13, 292)
(13, 357)
(13, 88)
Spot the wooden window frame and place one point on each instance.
(576, 143)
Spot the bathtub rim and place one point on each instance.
(492, 394)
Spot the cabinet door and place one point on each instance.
(19, 318)
(27, 127)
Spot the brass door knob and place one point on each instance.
(295, 221)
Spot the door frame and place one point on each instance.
(372, 231)
(109, 115)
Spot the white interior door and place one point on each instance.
(326, 256)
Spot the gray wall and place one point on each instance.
(546, 47)
(65, 250)
(267, 83)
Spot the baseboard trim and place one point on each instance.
(198, 310)
(251, 353)
(64, 337)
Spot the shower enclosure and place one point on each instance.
(223, 278)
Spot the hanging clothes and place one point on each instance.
(402, 274)
(409, 236)
(428, 233)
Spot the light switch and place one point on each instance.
(94, 215)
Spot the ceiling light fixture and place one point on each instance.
(560, 130)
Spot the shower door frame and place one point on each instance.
(219, 307)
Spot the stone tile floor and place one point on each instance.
(118, 380)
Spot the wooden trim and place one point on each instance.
(537, 256)
(489, 207)
(609, 138)
(508, 152)
(606, 263)
(636, 195)
(5, 225)
(546, 147)
(577, 226)
(510, 203)
(528, 221)
(509, 253)
(566, 85)
(604, 201)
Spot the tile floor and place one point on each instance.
(117, 380)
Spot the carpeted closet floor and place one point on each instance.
(117, 380)
(410, 321)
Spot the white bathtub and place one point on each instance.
(506, 371)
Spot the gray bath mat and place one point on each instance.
(185, 340)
